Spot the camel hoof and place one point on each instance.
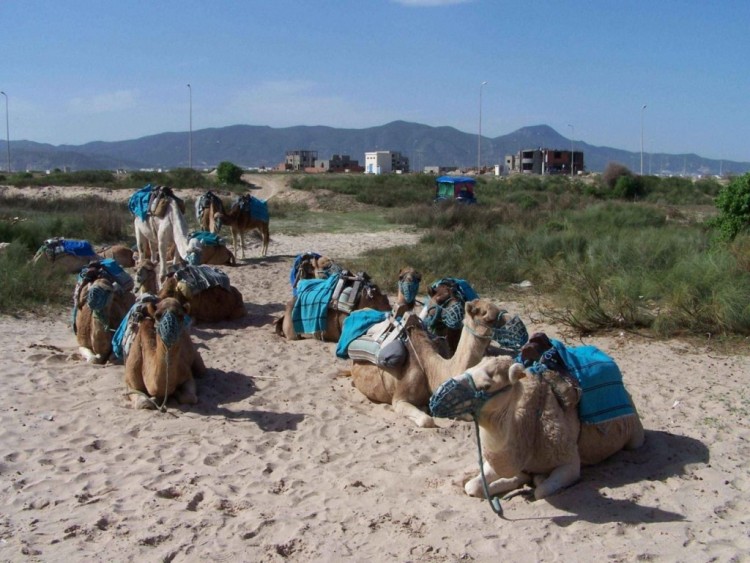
(473, 487)
(141, 402)
(426, 422)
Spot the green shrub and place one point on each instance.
(733, 203)
(228, 173)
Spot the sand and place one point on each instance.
(281, 459)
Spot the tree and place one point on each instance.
(613, 172)
(733, 203)
(228, 173)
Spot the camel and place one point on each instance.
(408, 288)
(146, 279)
(443, 313)
(530, 428)
(240, 218)
(210, 254)
(100, 306)
(219, 302)
(311, 265)
(206, 208)
(66, 255)
(164, 225)
(409, 387)
(369, 296)
(162, 359)
(122, 254)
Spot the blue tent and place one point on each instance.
(455, 188)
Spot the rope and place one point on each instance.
(494, 501)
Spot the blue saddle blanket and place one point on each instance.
(310, 311)
(464, 287)
(138, 202)
(604, 396)
(207, 238)
(355, 325)
(77, 247)
(257, 208)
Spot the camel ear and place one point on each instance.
(516, 372)
(151, 309)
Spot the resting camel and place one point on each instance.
(123, 255)
(408, 388)
(146, 279)
(209, 254)
(530, 428)
(66, 255)
(100, 307)
(210, 305)
(163, 359)
(408, 288)
(370, 297)
(206, 208)
(239, 220)
(444, 310)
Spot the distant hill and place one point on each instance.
(255, 146)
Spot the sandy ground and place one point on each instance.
(283, 460)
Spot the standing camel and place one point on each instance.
(247, 213)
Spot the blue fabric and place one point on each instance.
(355, 325)
(78, 247)
(604, 396)
(258, 208)
(311, 306)
(207, 238)
(119, 335)
(138, 202)
(464, 287)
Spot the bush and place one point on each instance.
(613, 172)
(228, 173)
(733, 203)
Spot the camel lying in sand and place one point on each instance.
(214, 304)
(123, 255)
(369, 296)
(409, 387)
(163, 359)
(209, 254)
(408, 288)
(66, 255)
(100, 307)
(240, 220)
(146, 278)
(530, 428)
(311, 265)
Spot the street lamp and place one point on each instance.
(190, 134)
(479, 137)
(572, 152)
(642, 110)
(7, 129)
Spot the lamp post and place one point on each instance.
(479, 137)
(572, 152)
(190, 134)
(7, 129)
(642, 110)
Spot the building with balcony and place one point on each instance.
(545, 161)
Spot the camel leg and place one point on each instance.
(186, 393)
(89, 356)
(561, 477)
(242, 242)
(420, 418)
(496, 484)
(265, 235)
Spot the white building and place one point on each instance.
(378, 162)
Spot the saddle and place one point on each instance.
(205, 201)
(55, 247)
(348, 289)
(106, 268)
(383, 343)
(159, 201)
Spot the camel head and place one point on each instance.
(465, 395)
(219, 218)
(99, 295)
(322, 267)
(146, 277)
(408, 285)
(371, 297)
(481, 317)
(172, 287)
(170, 316)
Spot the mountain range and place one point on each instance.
(251, 146)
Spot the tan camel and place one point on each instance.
(146, 278)
(210, 305)
(209, 254)
(120, 253)
(408, 288)
(369, 296)
(444, 300)
(241, 221)
(163, 359)
(530, 428)
(206, 208)
(408, 388)
(100, 307)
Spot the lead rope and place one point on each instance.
(494, 501)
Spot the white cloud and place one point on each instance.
(104, 103)
(429, 3)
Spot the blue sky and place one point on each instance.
(103, 70)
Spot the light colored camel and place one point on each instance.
(240, 222)
(209, 254)
(155, 235)
(209, 305)
(531, 432)
(163, 359)
(206, 208)
(408, 388)
(120, 253)
(370, 297)
(100, 309)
